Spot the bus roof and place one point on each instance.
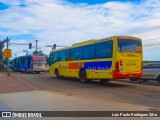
(92, 41)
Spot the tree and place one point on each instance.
(38, 53)
(47, 58)
(1, 53)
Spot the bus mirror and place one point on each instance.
(30, 45)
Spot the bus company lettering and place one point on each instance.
(130, 64)
(91, 68)
(130, 55)
(102, 65)
(62, 67)
(97, 68)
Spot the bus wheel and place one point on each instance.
(83, 76)
(57, 73)
(133, 79)
(103, 81)
(144, 80)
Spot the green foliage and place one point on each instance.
(47, 59)
(3, 70)
(145, 62)
(5, 61)
(38, 53)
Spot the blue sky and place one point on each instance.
(65, 22)
(3, 6)
(100, 1)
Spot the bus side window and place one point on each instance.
(77, 53)
(104, 49)
(50, 59)
(89, 52)
(68, 55)
(56, 57)
(62, 56)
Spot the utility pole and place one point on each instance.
(36, 46)
(8, 72)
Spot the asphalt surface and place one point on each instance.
(147, 94)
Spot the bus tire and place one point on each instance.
(133, 79)
(158, 78)
(104, 81)
(144, 80)
(57, 73)
(83, 76)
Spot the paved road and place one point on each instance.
(127, 92)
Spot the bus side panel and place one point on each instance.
(53, 67)
(92, 74)
(63, 68)
(94, 70)
(100, 69)
(72, 69)
(106, 74)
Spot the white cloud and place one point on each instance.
(56, 21)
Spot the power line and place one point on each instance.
(151, 39)
(151, 50)
(149, 30)
(151, 45)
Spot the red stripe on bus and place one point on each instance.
(119, 75)
(76, 65)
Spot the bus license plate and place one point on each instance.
(132, 75)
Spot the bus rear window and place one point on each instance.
(129, 45)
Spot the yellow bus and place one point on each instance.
(115, 57)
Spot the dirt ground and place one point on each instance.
(121, 91)
(13, 84)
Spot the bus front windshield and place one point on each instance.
(129, 45)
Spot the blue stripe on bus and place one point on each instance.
(103, 65)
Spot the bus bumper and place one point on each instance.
(119, 75)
